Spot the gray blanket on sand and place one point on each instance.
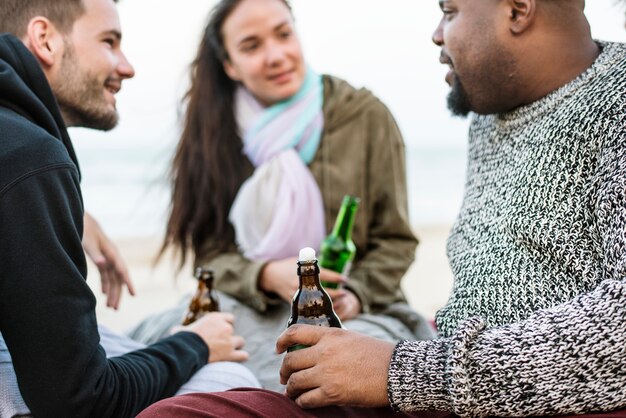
(261, 329)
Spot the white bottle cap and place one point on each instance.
(306, 254)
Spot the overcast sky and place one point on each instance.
(384, 48)
(383, 45)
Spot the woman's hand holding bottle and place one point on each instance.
(280, 277)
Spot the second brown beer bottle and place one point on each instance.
(311, 304)
(204, 300)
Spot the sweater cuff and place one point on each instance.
(417, 376)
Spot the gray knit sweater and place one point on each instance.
(536, 323)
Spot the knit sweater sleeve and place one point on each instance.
(570, 358)
(47, 312)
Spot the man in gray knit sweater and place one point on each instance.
(536, 322)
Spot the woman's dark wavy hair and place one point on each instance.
(209, 165)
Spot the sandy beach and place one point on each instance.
(426, 284)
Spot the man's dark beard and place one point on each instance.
(458, 101)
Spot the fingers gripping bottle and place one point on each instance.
(205, 299)
(311, 304)
(338, 250)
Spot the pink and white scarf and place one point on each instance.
(279, 209)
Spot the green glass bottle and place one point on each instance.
(311, 304)
(338, 250)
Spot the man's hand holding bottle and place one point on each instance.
(216, 329)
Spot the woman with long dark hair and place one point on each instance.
(268, 150)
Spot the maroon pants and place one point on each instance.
(259, 403)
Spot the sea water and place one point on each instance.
(127, 188)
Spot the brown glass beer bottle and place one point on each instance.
(311, 304)
(205, 299)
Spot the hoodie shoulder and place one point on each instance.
(26, 148)
(33, 134)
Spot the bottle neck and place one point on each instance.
(345, 221)
(309, 274)
(205, 275)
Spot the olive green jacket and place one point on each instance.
(361, 153)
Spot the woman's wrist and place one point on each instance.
(264, 282)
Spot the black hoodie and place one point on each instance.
(47, 311)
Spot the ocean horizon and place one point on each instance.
(127, 189)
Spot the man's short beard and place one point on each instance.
(458, 100)
(491, 88)
(81, 96)
(88, 117)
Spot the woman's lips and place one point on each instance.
(282, 78)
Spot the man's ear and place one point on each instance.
(230, 70)
(44, 41)
(522, 15)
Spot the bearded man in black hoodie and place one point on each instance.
(61, 65)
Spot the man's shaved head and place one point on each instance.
(561, 9)
(504, 54)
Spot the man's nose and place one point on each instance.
(124, 67)
(438, 34)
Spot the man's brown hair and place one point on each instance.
(15, 14)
